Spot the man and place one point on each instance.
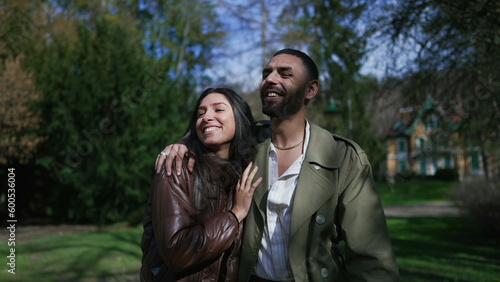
(317, 191)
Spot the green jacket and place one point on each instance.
(335, 201)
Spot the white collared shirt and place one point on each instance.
(273, 262)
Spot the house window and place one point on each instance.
(446, 144)
(434, 146)
(422, 164)
(402, 145)
(398, 125)
(474, 161)
(447, 162)
(421, 144)
(402, 165)
(431, 123)
(434, 164)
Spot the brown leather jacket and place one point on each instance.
(187, 242)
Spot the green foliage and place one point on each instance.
(457, 50)
(108, 109)
(361, 119)
(182, 33)
(338, 45)
(118, 81)
(335, 42)
(447, 33)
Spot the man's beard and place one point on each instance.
(290, 105)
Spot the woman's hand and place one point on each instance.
(244, 192)
(171, 153)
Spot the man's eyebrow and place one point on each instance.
(268, 69)
(284, 68)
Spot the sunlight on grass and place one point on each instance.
(413, 191)
(443, 249)
(113, 255)
(427, 249)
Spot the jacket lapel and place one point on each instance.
(261, 160)
(316, 173)
(315, 181)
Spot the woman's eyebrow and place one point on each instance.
(218, 103)
(213, 104)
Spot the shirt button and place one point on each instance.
(324, 272)
(320, 219)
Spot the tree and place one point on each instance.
(86, 81)
(333, 32)
(456, 55)
(117, 82)
(19, 122)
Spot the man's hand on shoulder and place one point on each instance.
(173, 153)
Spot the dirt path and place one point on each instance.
(431, 209)
(26, 233)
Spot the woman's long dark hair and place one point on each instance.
(242, 149)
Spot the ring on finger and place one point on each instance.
(163, 153)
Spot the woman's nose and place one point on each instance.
(207, 116)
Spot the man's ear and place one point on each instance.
(312, 89)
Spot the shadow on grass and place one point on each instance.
(427, 249)
(443, 249)
(113, 255)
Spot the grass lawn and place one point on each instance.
(443, 249)
(112, 255)
(413, 191)
(427, 249)
(438, 249)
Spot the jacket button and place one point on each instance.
(324, 272)
(320, 219)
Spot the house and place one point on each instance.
(419, 142)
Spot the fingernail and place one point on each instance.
(169, 173)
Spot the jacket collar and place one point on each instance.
(221, 171)
(322, 151)
(321, 148)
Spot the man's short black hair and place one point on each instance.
(310, 65)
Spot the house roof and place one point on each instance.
(406, 119)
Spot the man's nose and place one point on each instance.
(271, 77)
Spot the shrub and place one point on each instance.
(446, 174)
(480, 200)
(405, 175)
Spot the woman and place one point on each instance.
(193, 222)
